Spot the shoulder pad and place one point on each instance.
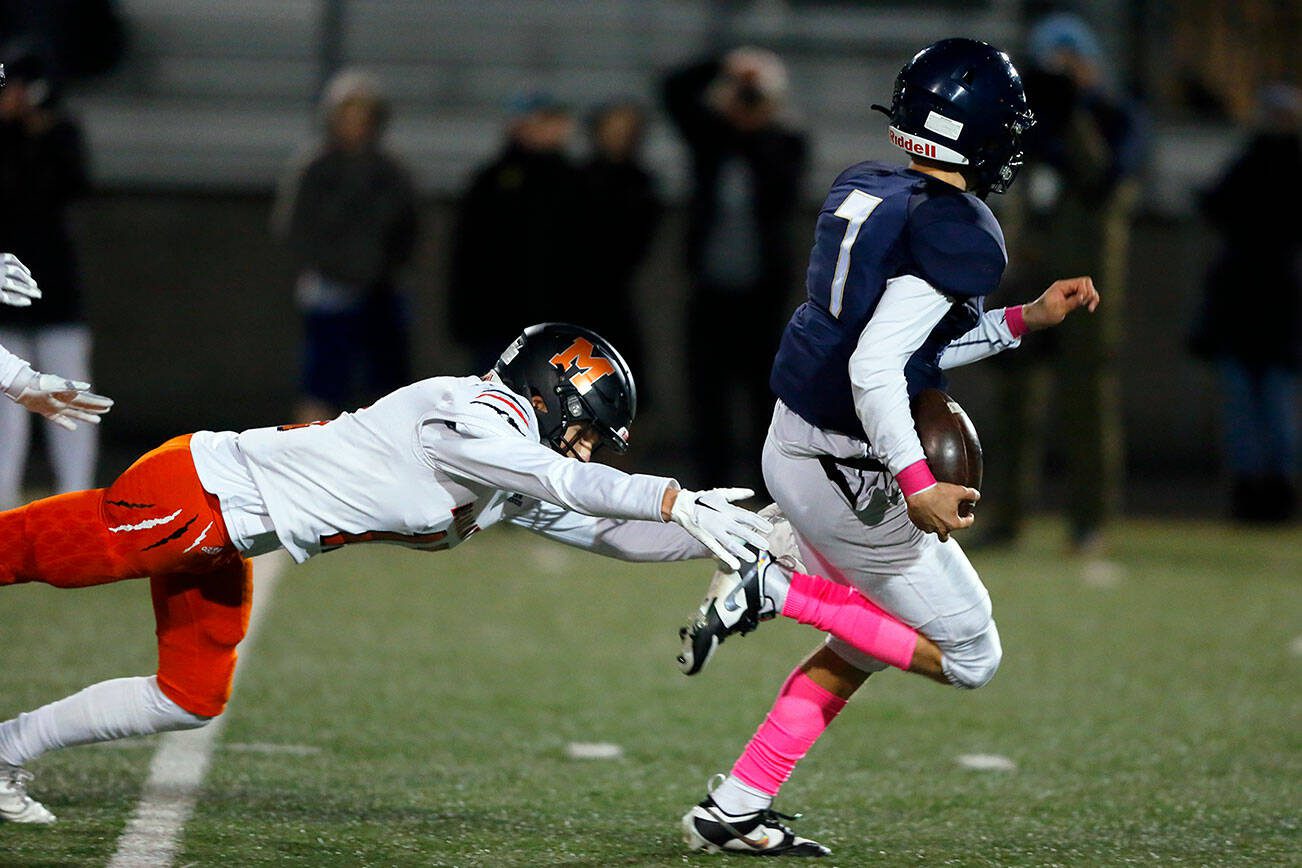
(874, 172)
(956, 243)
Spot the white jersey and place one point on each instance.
(426, 466)
(10, 367)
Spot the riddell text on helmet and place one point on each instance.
(912, 145)
(924, 148)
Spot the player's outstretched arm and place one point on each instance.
(625, 539)
(17, 286)
(511, 463)
(64, 402)
(1060, 299)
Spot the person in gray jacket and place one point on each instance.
(348, 214)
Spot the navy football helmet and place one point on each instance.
(961, 102)
(578, 375)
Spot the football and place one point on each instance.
(949, 440)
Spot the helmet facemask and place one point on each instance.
(575, 409)
(1002, 176)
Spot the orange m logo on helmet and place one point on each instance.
(591, 368)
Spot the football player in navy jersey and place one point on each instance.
(902, 260)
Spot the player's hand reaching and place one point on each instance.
(723, 528)
(943, 508)
(1061, 298)
(17, 286)
(64, 402)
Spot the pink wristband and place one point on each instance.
(1016, 320)
(915, 477)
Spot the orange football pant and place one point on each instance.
(154, 521)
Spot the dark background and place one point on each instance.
(191, 299)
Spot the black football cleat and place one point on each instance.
(736, 603)
(706, 827)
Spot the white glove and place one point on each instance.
(17, 287)
(64, 402)
(723, 528)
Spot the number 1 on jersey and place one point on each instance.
(856, 208)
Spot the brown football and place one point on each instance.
(949, 440)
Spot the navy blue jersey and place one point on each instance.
(879, 222)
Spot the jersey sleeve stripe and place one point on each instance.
(972, 342)
(508, 402)
(508, 395)
(505, 415)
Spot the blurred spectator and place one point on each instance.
(516, 251)
(349, 217)
(1249, 325)
(1074, 208)
(622, 212)
(75, 38)
(42, 171)
(747, 165)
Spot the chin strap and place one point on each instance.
(566, 447)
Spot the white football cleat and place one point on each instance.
(15, 805)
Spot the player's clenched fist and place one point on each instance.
(1061, 298)
(937, 509)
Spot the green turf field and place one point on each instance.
(409, 709)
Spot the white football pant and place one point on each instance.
(856, 531)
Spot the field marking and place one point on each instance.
(151, 742)
(135, 742)
(152, 835)
(550, 560)
(1296, 647)
(986, 762)
(1102, 573)
(269, 747)
(593, 750)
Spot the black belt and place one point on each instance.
(836, 478)
(864, 463)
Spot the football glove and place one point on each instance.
(721, 527)
(64, 402)
(17, 287)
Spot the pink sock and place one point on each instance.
(798, 717)
(851, 617)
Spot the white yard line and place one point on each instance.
(152, 835)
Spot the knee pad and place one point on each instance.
(200, 622)
(971, 663)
